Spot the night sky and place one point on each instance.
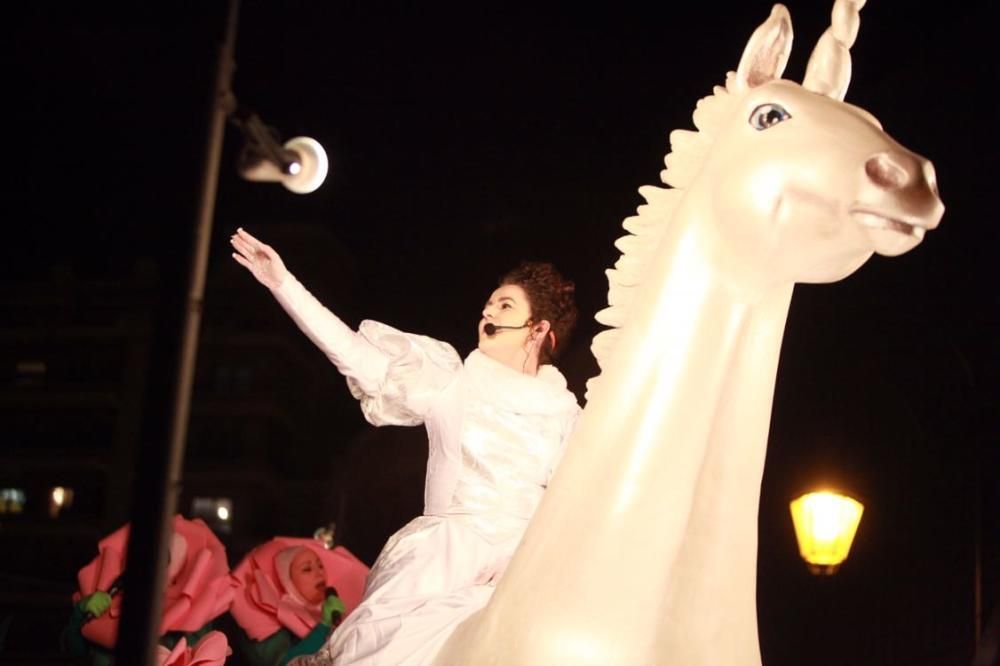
(465, 139)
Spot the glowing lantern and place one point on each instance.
(825, 525)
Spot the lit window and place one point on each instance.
(216, 511)
(12, 500)
(30, 373)
(59, 498)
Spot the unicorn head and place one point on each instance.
(799, 185)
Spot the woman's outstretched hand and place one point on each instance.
(258, 258)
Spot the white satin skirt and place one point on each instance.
(430, 576)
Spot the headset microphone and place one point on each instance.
(491, 329)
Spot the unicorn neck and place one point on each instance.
(692, 322)
(690, 391)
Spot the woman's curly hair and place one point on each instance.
(551, 298)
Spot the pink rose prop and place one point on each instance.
(262, 606)
(198, 591)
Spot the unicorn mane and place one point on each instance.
(688, 150)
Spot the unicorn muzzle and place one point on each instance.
(900, 201)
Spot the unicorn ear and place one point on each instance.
(766, 54)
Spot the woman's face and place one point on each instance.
(309, 576)
(507, 306)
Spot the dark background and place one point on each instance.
(462, 140)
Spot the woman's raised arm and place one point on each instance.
(354, 356)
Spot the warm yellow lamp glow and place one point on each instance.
(825, 525)
(59, 498)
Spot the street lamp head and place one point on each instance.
(309, 171)
(825, 525)
(300, 165)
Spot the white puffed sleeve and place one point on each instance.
(395, 375)
(419, 368)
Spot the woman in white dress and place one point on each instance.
(496, 425)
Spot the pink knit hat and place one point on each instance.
(283, 567)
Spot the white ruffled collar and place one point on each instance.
(544, 393)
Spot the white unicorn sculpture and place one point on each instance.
(643, 550)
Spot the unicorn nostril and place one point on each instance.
(886, 172)
(931, 177)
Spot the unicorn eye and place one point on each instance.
(768, 115)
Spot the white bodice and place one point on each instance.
(494, 434)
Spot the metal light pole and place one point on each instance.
(156, 486)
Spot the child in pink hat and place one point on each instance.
(291, 594)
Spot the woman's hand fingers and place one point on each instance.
(263, 262)
(252, 242)
(243, 262)
(245, 235)
(242, 247)
(245, 255)
(249, 252)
